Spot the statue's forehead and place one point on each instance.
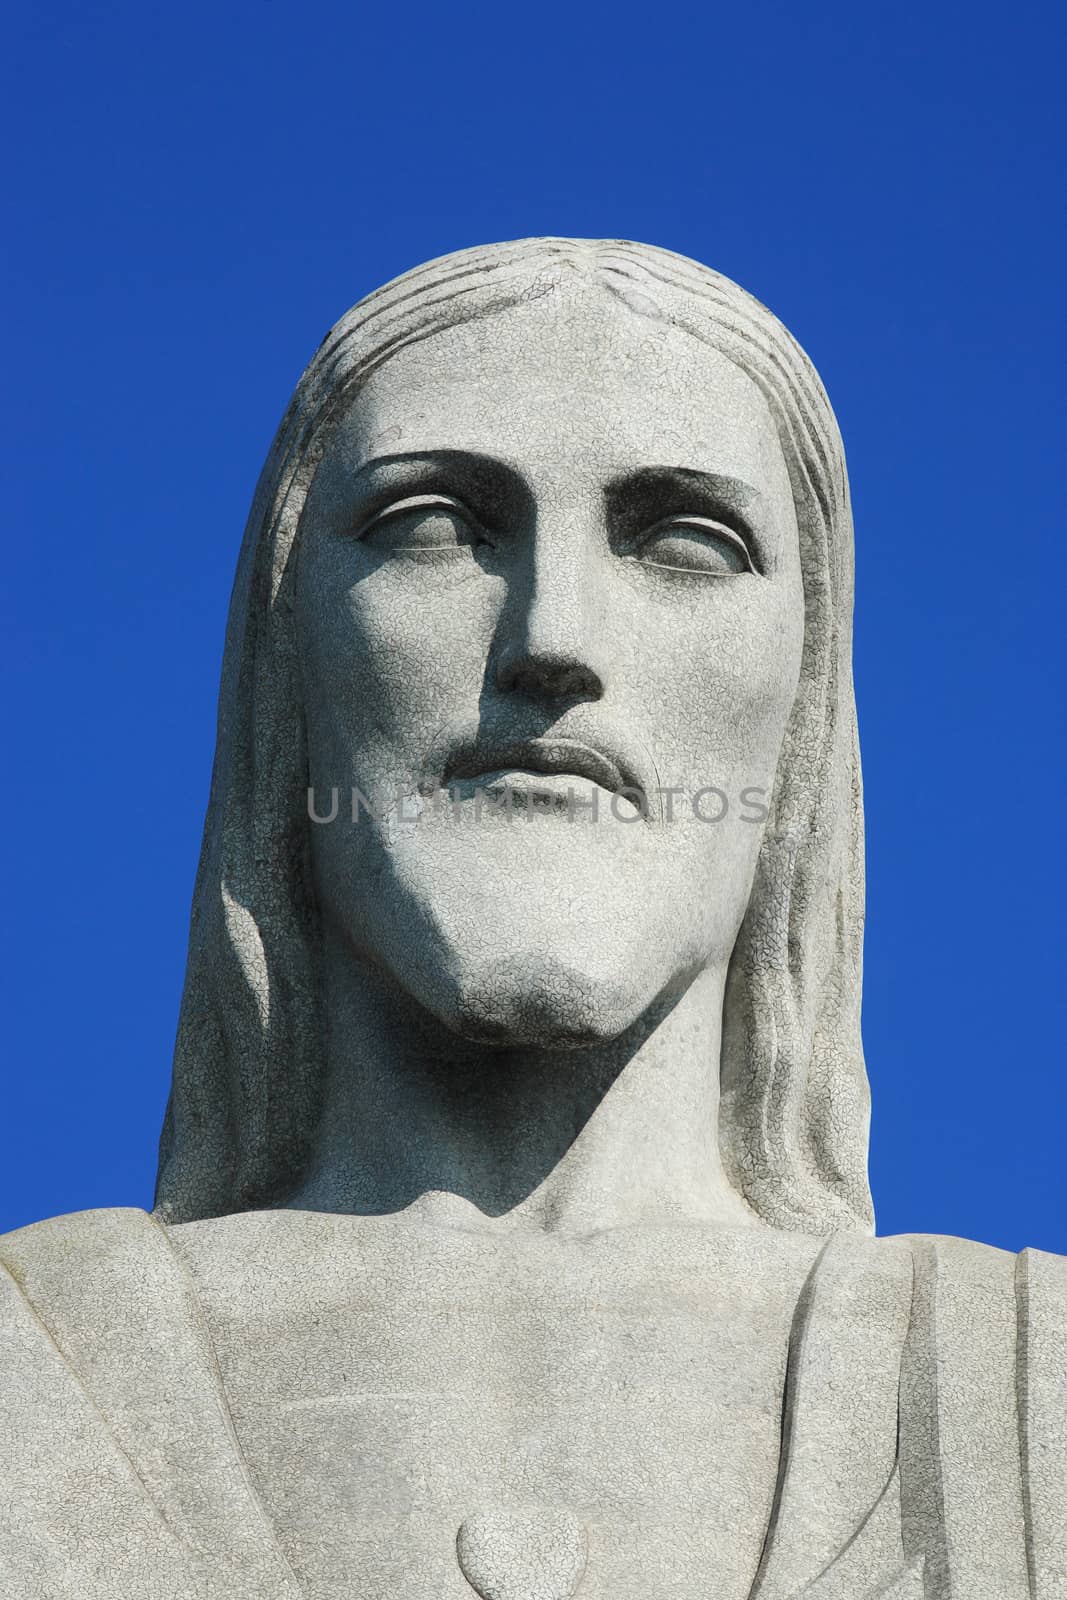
(567, 375)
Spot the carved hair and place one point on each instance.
(249, 1059)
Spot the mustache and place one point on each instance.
(583, 747)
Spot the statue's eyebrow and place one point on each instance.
(635, 500)
(493, 488)
(647, 487)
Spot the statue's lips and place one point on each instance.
(523, 763)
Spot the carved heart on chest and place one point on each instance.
(528, 1555)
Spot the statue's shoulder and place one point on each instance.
(77, 1289)
(55, 1264)
(991, 1308)
(928, 1374)
(120, 1473)
(967, 1263)
(76, 1229)
(984, 1411)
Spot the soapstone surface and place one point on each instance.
(512, 1234)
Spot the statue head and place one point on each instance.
(545, 602)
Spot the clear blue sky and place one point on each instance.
(196, 192)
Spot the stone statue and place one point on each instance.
(512, 1233)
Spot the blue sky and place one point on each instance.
(196, 193)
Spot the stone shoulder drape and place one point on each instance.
(924, 1438)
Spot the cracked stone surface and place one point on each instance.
(512, 1233)
(506, 1555)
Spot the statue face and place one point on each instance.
(550, 563)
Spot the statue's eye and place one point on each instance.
(694, 544)
(422, 522)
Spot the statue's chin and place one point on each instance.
(540, 999)
(524, 973)
(545, 939)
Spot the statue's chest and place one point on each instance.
(620, 1416)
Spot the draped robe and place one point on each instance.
(919, 1396)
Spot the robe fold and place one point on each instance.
(923, 1426)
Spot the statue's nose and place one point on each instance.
(552, 644)
(552, 674)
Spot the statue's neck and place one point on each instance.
(553, 1139)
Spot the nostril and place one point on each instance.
(558, 676)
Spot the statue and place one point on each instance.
(512, 1233)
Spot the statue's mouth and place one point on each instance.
(558, 759)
